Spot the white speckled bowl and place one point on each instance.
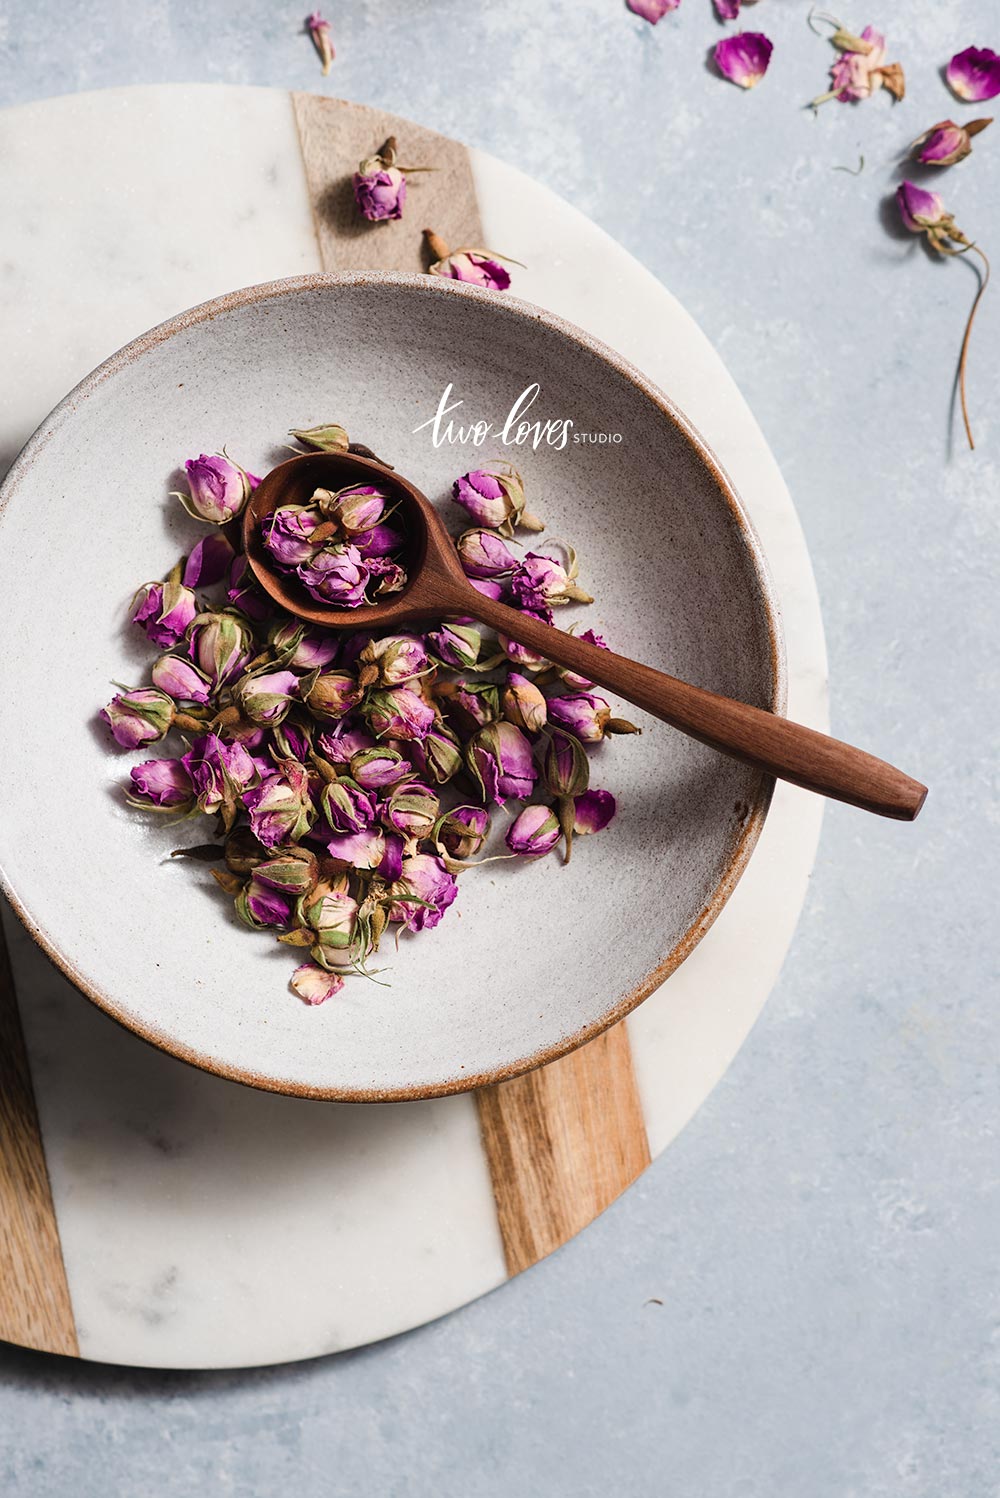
(534, 958)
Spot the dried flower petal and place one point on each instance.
(743, 58)
(652, 10)
(164, 611)
(593, 810)
(861, 69)
(208, 563)
(314, 984)
(974, 74)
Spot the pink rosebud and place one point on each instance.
(279, 807)
(652, 10)
(346, 807)
(457, 645)
(180, 680)
(541, 581)
(374, 769)
(310, 648)
(423, 878)
(380, 541)
(332, 695)
(340, 744)
(974, 74)
(218, 489)
(356, 509)
(338, 576)
(593, 810)
(495, 500)
(220, 644)
(477, 266)
(138, 717)
(314, 985)
(217, 770)
(164, 611)
(261, 906)
(411, 810)
(487, 587)
(484, 554)
(744, 58)
(588, 716)
(437, 755)
(463, 831)
(243, 591)
(535, 831)
(919, 208)
(163, 784)
(399, 713)
(379, 190)
(945, 143)
(499, 757)
(332, 914)
(319, 30)
(286, 531)
(523, 704)
(208, 563)
(392, 660)
(266, 696)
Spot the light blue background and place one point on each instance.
(824, 1235)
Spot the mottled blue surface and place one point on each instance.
(824, 1235)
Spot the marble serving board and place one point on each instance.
(153, 1214)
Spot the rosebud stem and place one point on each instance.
(566, 812)
(963, 357)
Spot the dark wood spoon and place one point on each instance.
(439, 589)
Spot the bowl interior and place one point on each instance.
(533, 956)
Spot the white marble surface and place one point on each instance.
(143, 1151)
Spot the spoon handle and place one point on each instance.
(760, 738)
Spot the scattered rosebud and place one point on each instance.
(261, 906)
(480, 267)
(588, 716)
(457, 645)
(313, 984)
(220, 646)
(218, 771)
(743, 58)
(533, 832)
(495, 500)
(422, 893)
(319, 30)
(861, 69)
(592, 811)
(347, 807)
(463, 831)
(945, 143)
(484, 554)
(180, 680)
(499, 757)
(329, 438)
(524, 704)
(139, 717)
(380, 185)
(573, 678)
(208, 563)
(162, 784)
(294, 870)
(399, 713)
(265, 696)
(542, 582)
(375, 769)
(164, 611)
(411, 810)
(566, 775)
(243, 591)
(218, 489)
(438, 754)
(279, 807)
(304, 649)
(974, 74)
(356, 509)
(652, 10)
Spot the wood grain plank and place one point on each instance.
(563, 1141)
(35, 1307)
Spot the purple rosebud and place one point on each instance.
(244, 593)
(523, 704)
(399, 713)
(484, 554)
(138, 717)
(286, 531)
(474, 266)
(313, 984)
(743, 58)
(356, 510)
(652, 10)
(164, 611)
(457, 644)
(380, 194)
(333, 694)
(464, 830)
(593, 810)
(411, 810)
(339, 745)
(438, 755)
(217, 769)
(918, 208)
(487, 587)
(279, 808)
(220, 646)
(346, 807)
(294, 871)
(392, 660)
(311, 648)
(583, 713)
(378, 541)
(338, 576)
(392, 859)
(262, 906)
(374, 769)
(974, 74)
(208, 562)
(540, 581)
(565, 766)
(218, 489)
(535, 831)
(946, 142)
(423, 878)
(266, 696)
(499, 757)
(290, 741)
(162, 783)
(494, 500)
(180, 680)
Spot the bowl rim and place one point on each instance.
(504, 304)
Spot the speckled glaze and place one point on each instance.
(534, 959)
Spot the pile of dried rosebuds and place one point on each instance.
(353, 775)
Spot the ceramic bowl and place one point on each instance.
(534, 958)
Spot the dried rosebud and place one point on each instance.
(861, 69)
(356, 509)
(652, 10)
(208, 563)
(279, 808)
(293, 870)
(338, 575)
(523, 655)
(457, 645)
(437, 755)
(347, 807)
(574, 679)
(180, 680)
(588, 716)
(305, 649)
(261, 906)
(411, 810)
(399, 713)
(374, 769)
(243, 852)
(332, 916)
(535, 831)
(924, 213)
(244, 593)
(480, 267)
(329, 438)
(161, 785)
(219, 771)
(139, 717)
(945, 143)
(487, 587)
(470, 707)
(266, 696)
(220, 646)
(380, 541)
(541, 582)
(974, 74)
(379, 188)
(422, 893)
(332, 695)
(484, 554)
(319, 30)
(463, 831)
(565, 766)
(523, 704)
(592, 811)
(164, 611)
(499, 757)
(292, 740)
(340, 744)
(218, 489)
(286, 533)
(743, 58)
(313, 985)
(495, 500)
(391, 661)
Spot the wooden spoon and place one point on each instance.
(439, 589)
